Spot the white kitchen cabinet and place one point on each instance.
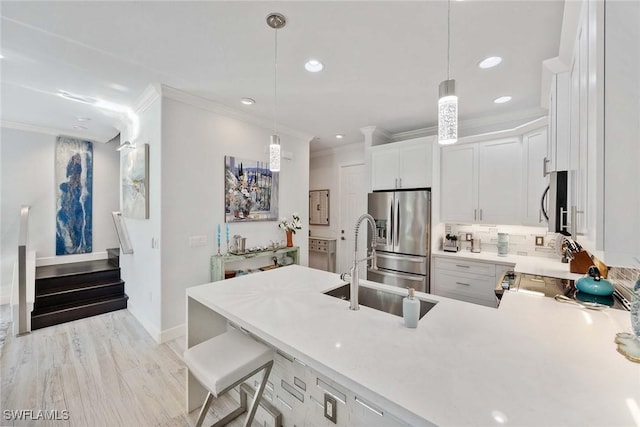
(482, 183)
(558, 141)
(500, 182)
(402, 165)
(459, 183)
(470, 281)
(534, 145)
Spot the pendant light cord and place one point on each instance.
(275, 85)
(448, 40)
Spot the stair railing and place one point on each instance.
(22, 270)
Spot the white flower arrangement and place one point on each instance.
(293, 225)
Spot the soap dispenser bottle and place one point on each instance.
(411, 309)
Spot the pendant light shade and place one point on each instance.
(447, 99)
(274, 154)
(275, 21)
(447, 113)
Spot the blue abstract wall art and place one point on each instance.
(74, 196)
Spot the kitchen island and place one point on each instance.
(533, 361)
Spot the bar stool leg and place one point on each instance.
(204, 410)
(258, 396)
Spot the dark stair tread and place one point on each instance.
(77, 305)
(74, 268)
(80, 288)
(102, 306)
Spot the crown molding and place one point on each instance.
(54, 131)
(215, 107)
(417, 133)
(147, 98)
(506, 133)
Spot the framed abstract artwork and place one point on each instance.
(74, 196)
(135, 182)
(251, 190)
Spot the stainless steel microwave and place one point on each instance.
(555, 203)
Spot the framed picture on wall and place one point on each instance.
(251, 190)
(135, 183)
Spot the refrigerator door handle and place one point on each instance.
(397, 233)
(397, 275)
(399, 258)
(390, 224)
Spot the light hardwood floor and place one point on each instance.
(104, 370)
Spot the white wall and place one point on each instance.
(194, 143)
(27, 168)
(141, 270)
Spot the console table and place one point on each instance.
(218, 262)
(327, 247)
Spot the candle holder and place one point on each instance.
(218, 254)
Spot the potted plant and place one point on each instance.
(290, 227)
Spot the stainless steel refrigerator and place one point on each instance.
(403, 227)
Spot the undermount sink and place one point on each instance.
(379, 300)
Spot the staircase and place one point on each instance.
(66, 292)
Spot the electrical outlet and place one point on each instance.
(330, 408)
(468, 237)
(539, 240)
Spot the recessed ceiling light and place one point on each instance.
(502, 99)
(83, 119)
(339, 136)
(78, 127)
(490, 62)
(248, 101)
(313, 66)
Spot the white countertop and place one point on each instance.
(533, 361)
(540, 266)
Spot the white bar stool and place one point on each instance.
(225, 361)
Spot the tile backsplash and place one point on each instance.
(624, 276)
(522, 239)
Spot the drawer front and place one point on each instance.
(462, 285)
(463, 266)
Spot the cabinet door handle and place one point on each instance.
(396, 183)
(545, 172)
(480, 214)
(463, 266)
(475, 214)
(461, 283)
(400, 181)
(539, 215)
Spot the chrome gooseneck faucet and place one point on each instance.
(352, 276)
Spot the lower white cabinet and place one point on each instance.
(470, 281)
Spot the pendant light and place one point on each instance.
(275, 21)
(448, 101)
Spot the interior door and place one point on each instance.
(353, 203)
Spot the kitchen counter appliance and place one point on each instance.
(403, 228)
(551, 286)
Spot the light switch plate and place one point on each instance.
(330, 408)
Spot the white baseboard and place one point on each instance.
(146, 324)
(68, 259)
(173, 333)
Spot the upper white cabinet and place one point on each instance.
(459, 183)
(534, 145)
(558, 141)
(500, 181)
(402, 165)
(482, 182)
